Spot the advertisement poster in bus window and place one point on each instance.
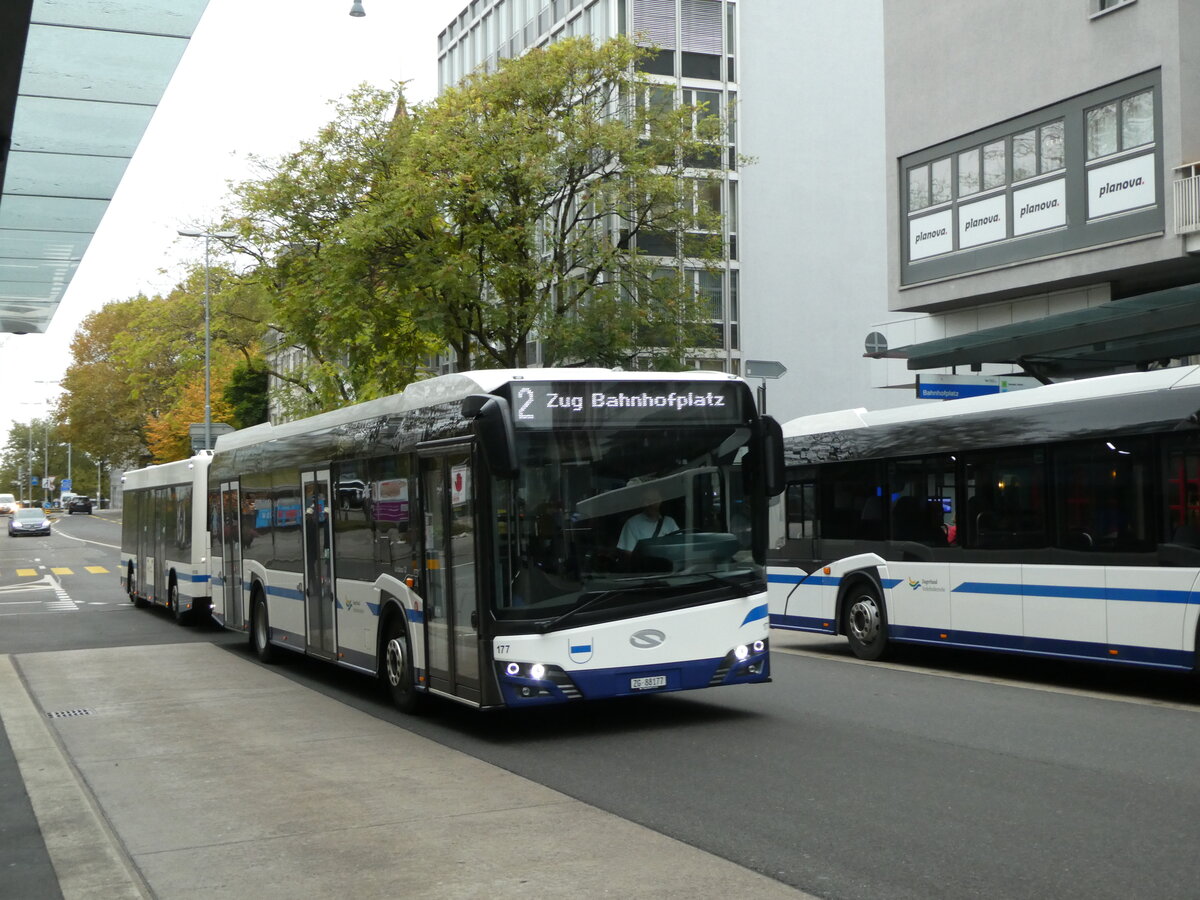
(460, 485)
(391, 500)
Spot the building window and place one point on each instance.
(1009, 184)
(918, 187)
(1120, 125)
(993, 165)
(1035, 151)
(1104, 6)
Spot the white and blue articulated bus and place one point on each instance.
(468, 537)
(1062, 521)
(164, 545)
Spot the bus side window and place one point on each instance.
(801, 510)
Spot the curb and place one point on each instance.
(86, 854)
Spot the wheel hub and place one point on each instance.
(395, 662)
(865, 620)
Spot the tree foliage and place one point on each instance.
(511, 209)
(533, 186)
(557, 201)
(138, 365)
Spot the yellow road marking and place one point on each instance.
(61, 571)
(97, 570)
(24, 572)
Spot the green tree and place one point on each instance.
(246, 394)
(519, 206)
(520, 202)
(326, 296)
(139, 363)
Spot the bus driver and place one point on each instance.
(647, 523)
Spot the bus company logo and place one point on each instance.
(929, 584)
(579, 649)
(647, 638)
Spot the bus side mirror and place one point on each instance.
(771, 456)
(492, 424)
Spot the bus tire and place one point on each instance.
(260, 629)
(173, 602)
(396, 667)
(131, 584)
(865, 621)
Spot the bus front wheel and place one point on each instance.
(865, 622)
(397, 668)
(260, 630)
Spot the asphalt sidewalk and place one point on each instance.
(182, 771)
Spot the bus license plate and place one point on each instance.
(647, 683)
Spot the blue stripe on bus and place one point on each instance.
(1057, 647)
(580, 648)
(786, 579)
(803, 623)
(1140, 595)
(759, 612)
(289, 593)
(194, 579)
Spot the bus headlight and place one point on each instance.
(741, 651)
(513, 669)
(537, 672)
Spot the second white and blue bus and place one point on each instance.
(1062, 521)
(164, 542)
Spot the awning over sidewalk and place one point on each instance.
(79, 81)
(1133, 332)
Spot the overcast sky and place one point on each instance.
(256, 79)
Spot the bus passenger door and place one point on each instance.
(159, 538)
(319, 601)
(231, 546)
(451, 617)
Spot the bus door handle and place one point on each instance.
(474, 620)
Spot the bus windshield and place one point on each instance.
(602, 519)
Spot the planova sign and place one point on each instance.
(1122, 186)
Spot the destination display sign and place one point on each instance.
(573, 404)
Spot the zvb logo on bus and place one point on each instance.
(930, 584)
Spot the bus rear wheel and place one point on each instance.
(173, 603)
(131, 584)
(396, 668)
(865, 623)
(260, 630)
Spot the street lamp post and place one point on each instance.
(208, 236)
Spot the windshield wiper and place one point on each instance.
(594, 601)
(744, 587)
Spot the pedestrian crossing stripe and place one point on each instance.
(63, 570)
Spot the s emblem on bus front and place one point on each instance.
(647, 638)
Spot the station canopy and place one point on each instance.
(1135, 332)
(79, 81)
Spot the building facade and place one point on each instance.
(696, 63)
(1041, 196)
